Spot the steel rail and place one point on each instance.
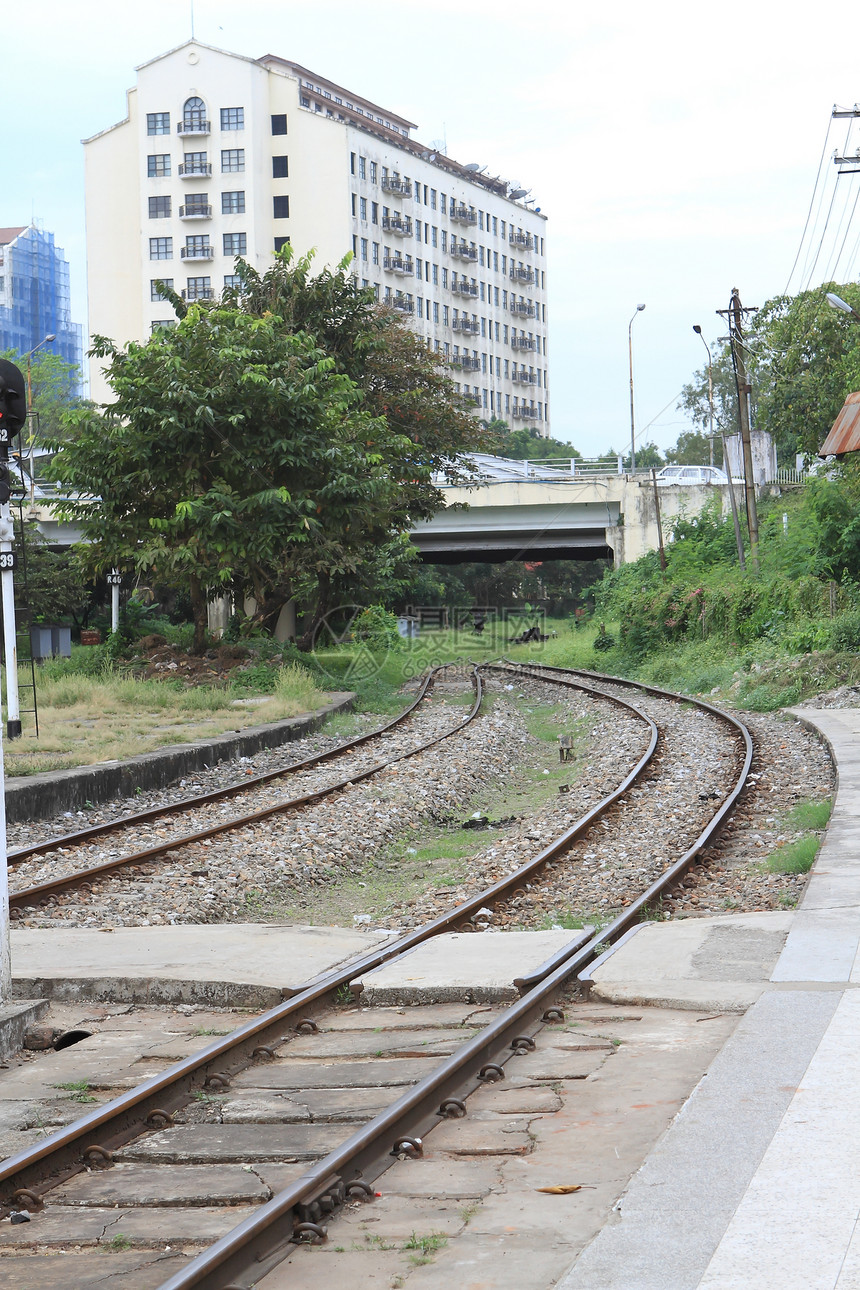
(26, 896)
(259, 1243)
(218, 794)
(119, 1120)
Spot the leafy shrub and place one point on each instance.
(377, 628)
(845, 632)
(603, 642)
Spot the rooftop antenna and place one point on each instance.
(192, 19)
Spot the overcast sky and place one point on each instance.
(673, 146)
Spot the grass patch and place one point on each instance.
(78, 1090)
(85, 719)
(810, 816)
(794, 858)
(117, 1244)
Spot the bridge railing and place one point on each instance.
(551, 466)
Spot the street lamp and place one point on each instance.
(726, 463)
(639, 309)
(836, 302)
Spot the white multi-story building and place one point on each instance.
(222, 155)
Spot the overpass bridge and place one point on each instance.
(516, 510)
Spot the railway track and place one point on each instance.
(70, 851)
(346, 1091)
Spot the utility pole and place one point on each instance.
(735, 316)
(739, 542)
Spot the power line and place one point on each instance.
(811, 204)
(829, 211)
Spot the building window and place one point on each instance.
(233, 203)
(154, 293)
(281, 242)
(198, 289)
(281, 207)
(374, 212)
(432, 199)
(279, 124)
(373, 172)
(159, 208)
(194, 163)
(435, 275)
(362, 208)
(434, 236)
(419, 306)
(158, 165)
(158, 123)
(435, 312)
(362, 167)
(445, 239)
(232, 118)
(232, 159)
(443, 203)
(482, 291)
(354, 246)
(232, 280)
(376, 253)
(196, 246)
(235, 243)
(197, 204)
(364, 248)
(162, 324)
(280, 168)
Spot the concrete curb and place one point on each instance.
(37, 797)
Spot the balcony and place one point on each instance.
(524, 378)
(394, 184)
(522, 275)
(403, 303)
(398, 265)
(397, 225)
(461, 251)
(195, 212)
(525, 240)
(466, 362)
(523, 342)
(195, 168)
(467, 325)
(463, 215)
(193, 126)
(522, 310)
(464, 288)
(198, 293)
(523, 413)
(472, 400)
(197, 253)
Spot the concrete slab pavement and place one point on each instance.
(229, 965)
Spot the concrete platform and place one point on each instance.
(755, 1183)
(720, 964)
(477, 967)
(228, 965)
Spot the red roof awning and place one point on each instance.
(845, 434)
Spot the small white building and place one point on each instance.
(221, 155)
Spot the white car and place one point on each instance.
(691, 475)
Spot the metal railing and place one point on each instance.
(394, 224)
(525, 240)
(464, 288)
(467, 325)
(195, 168)
(193, 127)
(524, 311)
(402, 303)
(522, 275)
(467, 362)
(397, 265)
(394, 184)
(463, 252)
(523, 413)
(463, 215)
(195, 212)
(524, 378)
(197, 253)
(198, 293)
(523, 342)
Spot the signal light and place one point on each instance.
(13, 400)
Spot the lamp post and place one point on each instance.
(836, 302)
(726, 463)
(29, 357)
(639, 309)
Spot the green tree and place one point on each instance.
(527, 445)
(231, 443)
(694, 400)
(693, 449)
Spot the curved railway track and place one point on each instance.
(83, 877)
(283, 1041)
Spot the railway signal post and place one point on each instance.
(13, 412)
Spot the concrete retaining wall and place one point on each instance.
(38, 797)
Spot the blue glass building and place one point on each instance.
(35, 299)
